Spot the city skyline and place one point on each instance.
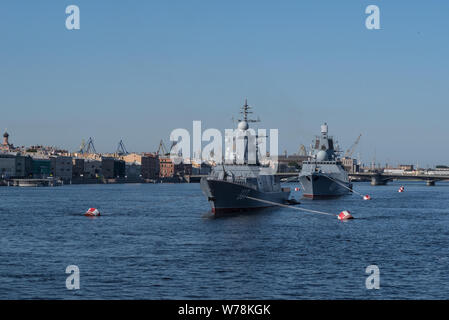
(137, 76)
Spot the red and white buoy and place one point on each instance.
(345, 215)
(401, 189)
(92, 212)
(366, 197)
(297, 189)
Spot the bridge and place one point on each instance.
(381, 178)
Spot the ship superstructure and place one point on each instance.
(324, 176)
(231, 184)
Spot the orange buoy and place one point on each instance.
(345, 215)
(296, 189)
(366, 197)
(92, 212)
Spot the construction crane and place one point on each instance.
(350, 151)
(162, 148)
(302, 150)
(121, 149)
(90, 146)
(82, 147)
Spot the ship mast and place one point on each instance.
(243, 126)
(245, 111)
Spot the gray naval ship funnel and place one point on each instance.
(324, 176)
(241, 175)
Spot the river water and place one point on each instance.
(159, 241)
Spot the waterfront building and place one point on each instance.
(202, 168)
(7, 166)
(184, 169)
(406, 167)
(394, 170)
(107, 167)
(24, 166)
(439, 170)
(77, 168)
(112, 168)
(350, 165)
(15, 166)
(119, 168)
(133, 158)
(290, 163)
(61, 167)
(167, 167)
(41, 168)
(133, 171)
(91, 168)
(150, 166)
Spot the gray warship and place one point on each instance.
(229, 184)
(323, 176)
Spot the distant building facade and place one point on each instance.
(133, 158)
(92, 168)
(406, 167)
(119, 168)
(290, 163)
(77, 168)
(167, 167)
(7, 166)
(24, 166)
(350, 165)
(112, 168)
(61, 167)
(41, 168)
(133, 171)
(107, 168)
(150, 166)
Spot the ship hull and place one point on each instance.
(228, 197)
(316, 186)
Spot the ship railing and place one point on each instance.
(244, 182)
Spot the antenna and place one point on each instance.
(245, 111)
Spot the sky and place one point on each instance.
(136, 70)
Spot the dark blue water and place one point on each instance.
(159, 242)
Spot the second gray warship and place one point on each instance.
(323, 176)
(230, 186)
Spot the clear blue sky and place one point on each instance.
(138, 69)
